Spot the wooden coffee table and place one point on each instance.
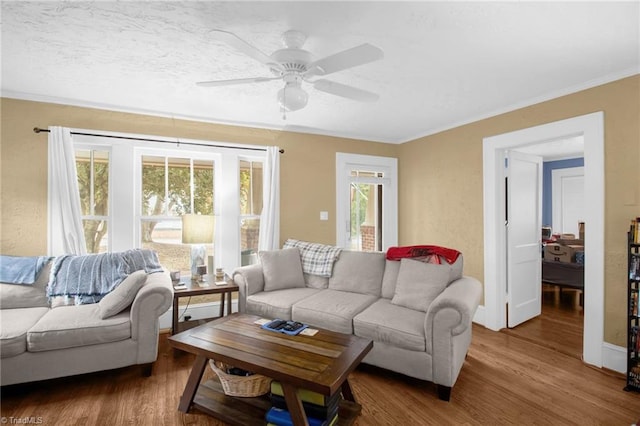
(320, 363)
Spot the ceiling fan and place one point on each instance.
(294, 65)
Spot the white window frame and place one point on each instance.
(109, 217)
(125, 184)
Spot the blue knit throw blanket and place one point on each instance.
(88, 278)
(21, 269)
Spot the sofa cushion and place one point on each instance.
(419, 283)
(392, 324)
(316, 281)
(392, 267)
(455, 271)
(80, 325)
(358, 272)
(26, 296)
(122, 296)
(390, 277)
(277, 303)
(15, 324)
(282, 269)
(331, 309)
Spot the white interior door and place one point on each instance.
(567, 199)
(524, 223)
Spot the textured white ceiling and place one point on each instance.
(445, 64)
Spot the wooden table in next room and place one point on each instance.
(320, 363)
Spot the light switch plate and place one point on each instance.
(324, 215)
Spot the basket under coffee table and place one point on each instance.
(320, 363)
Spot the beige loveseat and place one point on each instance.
(418, 314)
(38, 342)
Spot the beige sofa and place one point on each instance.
(418, 315)
(38, 342)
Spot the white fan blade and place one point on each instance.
(216, 83)
(349, 58)
(242, 46)
(345, 91)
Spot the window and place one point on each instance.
(250, 209)
(365, 212)
(93, 183)
(171, 187)
(134, 193)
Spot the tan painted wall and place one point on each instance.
(307, 167)
(441, 183)
(440, 195)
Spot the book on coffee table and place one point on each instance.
(307, 395)
(280, 417)
(321, 412)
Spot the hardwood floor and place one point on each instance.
(561, 324)
(505, 380)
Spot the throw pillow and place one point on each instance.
(122, 296)
(419, 283)
(281, 269)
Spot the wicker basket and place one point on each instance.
(248, 386)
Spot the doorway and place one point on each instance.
(558, 324)
(591, 127)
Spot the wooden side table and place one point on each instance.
(198, 289)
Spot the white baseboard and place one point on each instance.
(196, 311)
(478, 318)
(614, 357)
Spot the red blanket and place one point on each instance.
(397, 253)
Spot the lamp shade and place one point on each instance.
(197, 228)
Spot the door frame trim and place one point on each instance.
(591, 127)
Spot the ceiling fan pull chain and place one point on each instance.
(284, 96)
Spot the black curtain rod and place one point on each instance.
(38, 130)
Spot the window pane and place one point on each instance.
(93, 186)
(83, 166)
(100, 183)
(249, 233)
(165, 237)
(250, 187)
(95, 235)
(364, 173)
(366, 217)
(153, 186)
(179, 170)
(203, 184)
(256, 185)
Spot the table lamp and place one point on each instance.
(197, 230)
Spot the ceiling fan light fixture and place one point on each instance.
(292, 97)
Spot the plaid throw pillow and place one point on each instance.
(317, 259)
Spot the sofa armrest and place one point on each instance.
(448, 327)
(154, 299)
(250, 280)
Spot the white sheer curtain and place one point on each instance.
(269, 238)
(66, 235)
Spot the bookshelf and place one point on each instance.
(633, 321)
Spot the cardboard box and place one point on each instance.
(570, 241)
(561, 253)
